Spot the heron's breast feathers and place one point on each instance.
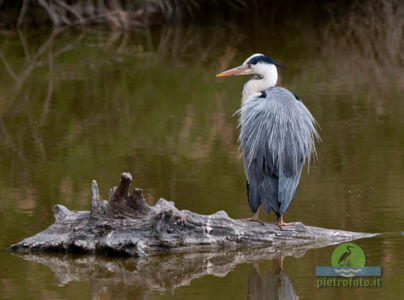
(277, 132)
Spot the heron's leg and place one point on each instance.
(255, 217)
(256, 268)
(281, 261)
(281, 223)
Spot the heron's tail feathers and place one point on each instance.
(254, 199)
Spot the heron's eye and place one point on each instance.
(249, 65)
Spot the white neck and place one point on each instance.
(254, 87)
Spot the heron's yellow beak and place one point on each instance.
(235, 71)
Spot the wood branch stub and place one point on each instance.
(118, 200)
(121, 204)
(137, 202)
(126, 225)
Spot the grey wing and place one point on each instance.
(263, 191)
(290, 172)
(261, 170)
(277, 135)
(272, 180)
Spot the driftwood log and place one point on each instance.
(126, 225)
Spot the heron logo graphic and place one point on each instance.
(348, 255)
(348, 260)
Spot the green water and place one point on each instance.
(77, 106)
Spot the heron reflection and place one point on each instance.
(270, 285)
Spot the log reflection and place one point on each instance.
(128, 278)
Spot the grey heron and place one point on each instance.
(277, 136)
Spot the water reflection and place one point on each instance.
(125, 277)
(273, 284)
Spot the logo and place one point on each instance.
(348, 260)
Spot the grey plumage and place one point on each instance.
(277, 136)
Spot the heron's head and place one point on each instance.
(256, 64)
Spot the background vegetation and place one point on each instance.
(126, 14)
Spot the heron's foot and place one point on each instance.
(281, 223)
(254, 219)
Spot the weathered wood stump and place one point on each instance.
(126, 225)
